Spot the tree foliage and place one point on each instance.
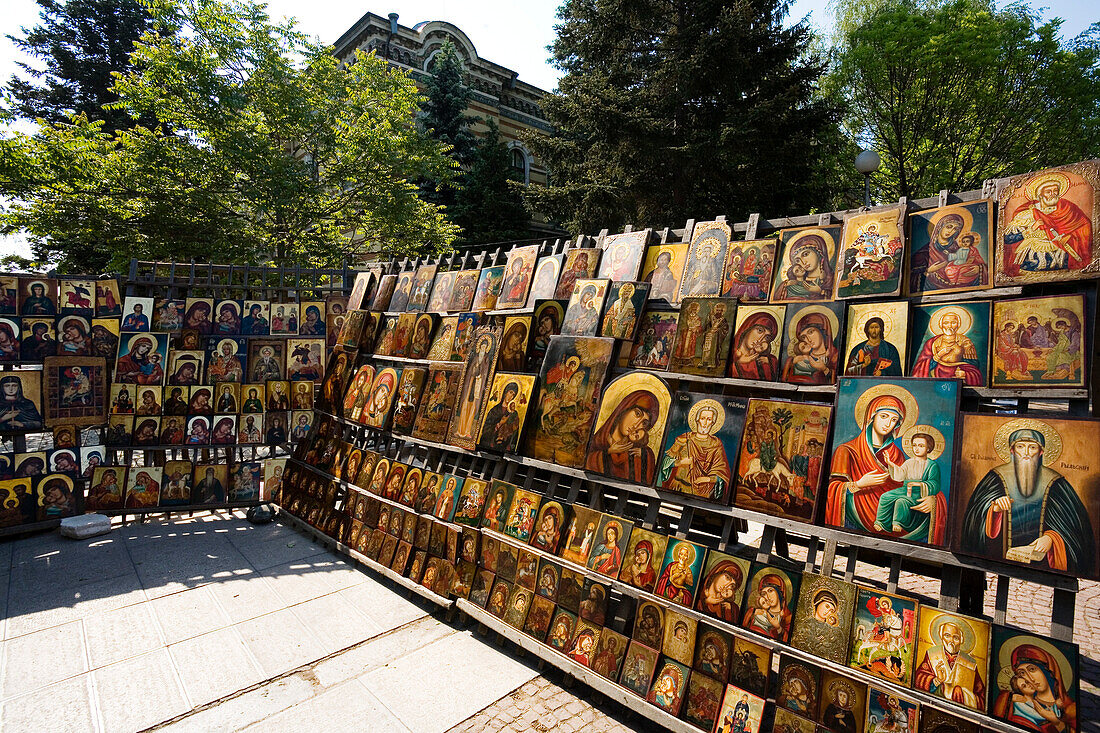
(670, 110)
(954, 92)
(79, 45)
(267, 149)
(489, 206)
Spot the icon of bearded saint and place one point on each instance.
(1048, 232)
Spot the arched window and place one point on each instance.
(520, 164)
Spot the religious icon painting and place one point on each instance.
(506, 412)
(593, 605)
(402, 291)
(519, 603)
(55, 497)
(608, 656)
(442, 290)
(756, 342)
(906, 429)
(37, 296)
(143, 487)
(351, 333)
(444, 338)
(704, 697)
(781, 461)
(517, 277)
(421, 289)
(823, 617)
(140, 359)
(788, 722)
(652, 347)
(108, 302)
(950, 248)
(703, 437)
(581, 537)
(806, 266)
(521, 514)
(282, 318)
(420, 340)
(623, 255)
(513, 347)
(414, 478)
(245, 481)
(582, 646)
(799, 686)
(625, 302)
(256, 320)
(305, 359)
(545, 280)
(680, 572)
(546, 323)
(642, 559)
(638, 666)
(582, 316)
(401, 557)
(629, 428)
(750, 666)
(465, 287)
(402, 334)
(266, 359)
(1038, 342)
(871, 253)
(888, 712)
(649, 623)
(119, 429)
(226, 359)
(387, 284)
(360, 289)
(669, 685)
(549, 579)
(769, 606)
(227, 318)
(706, 260)
(104, 336)
(609, 544)
(812, 339)
(476, 381)
(841, 703)
(712, 652)
(388, 550)
(877, 339)
(185, 367)
(740, 710)
(75, 297)
(376, 413)
(748, 271)
(471, 502)
(481, 586)
(937, 721)
(105, 489)
(539, 618)
(951, 342)
(570, 588)
(137, 312)
(409, 387)
(496, 509)
(883, 635)
(464, 336)
(952, 657)
(1047, 225)
(437, 404)
(549, 527)
(561, 630)
(498, 598)
(703, 336)
(76, 390)
(722, 586)
(223, 432)
(580, 264)
(10, 340)
(38, 339)
(1028, 492)
(571, 378)
(74, 336)
(488, 288)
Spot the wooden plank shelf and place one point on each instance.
(359, 557)
(597, 682)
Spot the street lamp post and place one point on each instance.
(867, 162)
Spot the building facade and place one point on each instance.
(497, 91)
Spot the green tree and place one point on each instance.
(489, 206)
(670, 110)
(79, 45)
(953, 92)
(443, 117)
(269, 150)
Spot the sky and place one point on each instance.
(512, 34)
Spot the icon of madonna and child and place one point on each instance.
(891, 467)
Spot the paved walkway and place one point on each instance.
(213, 624)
